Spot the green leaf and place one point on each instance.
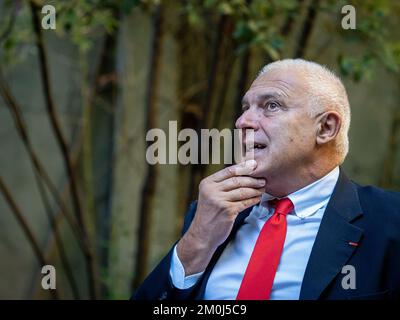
(210, 3)
(225, 8)
(345, 65)
(272, 52)
(9, 43)
(128, 5)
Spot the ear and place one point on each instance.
(329, 124)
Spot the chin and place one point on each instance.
(260, 172)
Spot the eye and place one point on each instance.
(272, 106)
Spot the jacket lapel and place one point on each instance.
(331, 248)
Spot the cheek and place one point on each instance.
(303, 143)
(297, 139)
(302, 130)
(295, 132)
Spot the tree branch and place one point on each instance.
(11, 22)
(388, 173)
(306, 29)
(38, 165)
(51, 110)
(41, 177)
(25, 227)
(58, 215)
(59, 243)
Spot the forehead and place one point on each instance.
(283, 84)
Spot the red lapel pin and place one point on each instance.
(354, 244)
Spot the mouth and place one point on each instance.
(256, 146)
(260, 146)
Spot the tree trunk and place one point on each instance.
(148, 189)
(306, 29)
(389, 168)
(103, 120)
(197, 170)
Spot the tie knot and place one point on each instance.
(282, 206)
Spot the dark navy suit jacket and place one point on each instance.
(360, 227)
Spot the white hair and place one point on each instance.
(325, 92)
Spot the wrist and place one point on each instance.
(194, 253)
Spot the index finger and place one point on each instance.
(240, 169)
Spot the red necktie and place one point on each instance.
(260, 272)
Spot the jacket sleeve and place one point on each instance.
(158, 284)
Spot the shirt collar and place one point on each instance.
(308, 200)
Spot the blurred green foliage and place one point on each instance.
(376, 32)
(257, 24)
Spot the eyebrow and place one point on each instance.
(264, 97)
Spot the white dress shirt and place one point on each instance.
(302, 227)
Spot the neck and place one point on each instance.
(283, 184)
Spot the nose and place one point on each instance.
(247, 120)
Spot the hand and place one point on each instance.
(222, 196)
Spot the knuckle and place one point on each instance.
(231, 170)
(203, 186)
(250, 181)
(203, 183)
(242, 193)
(236, 182)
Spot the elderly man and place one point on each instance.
(288, 224)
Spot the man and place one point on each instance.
(288, 224)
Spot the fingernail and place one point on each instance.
(261, 182)
(251, 163)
